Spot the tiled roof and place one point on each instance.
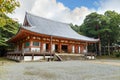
(53, 28)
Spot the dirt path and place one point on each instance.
(65, 70)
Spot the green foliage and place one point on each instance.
(75, 28)
(8, 6)
(8, 27)
(117, 54)
(106, 27)
(8, 30)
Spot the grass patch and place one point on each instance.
(4, 60)
(108, 57)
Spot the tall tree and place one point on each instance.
(7, 24)
(8, 6)
(113, 24)
(106, 27)
(8, 27)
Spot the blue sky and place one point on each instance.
(78, 3)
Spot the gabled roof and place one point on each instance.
(53, 28)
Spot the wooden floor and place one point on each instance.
(46, 55)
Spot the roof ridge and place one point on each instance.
(27, 13)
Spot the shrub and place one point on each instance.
(117, 54)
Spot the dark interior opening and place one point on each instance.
(64, 48)
(47, 47)
(56, 48)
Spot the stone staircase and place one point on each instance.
(68, 56)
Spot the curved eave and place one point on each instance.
(95, 40)
(22, 31)
(18, 35)
(10, 40)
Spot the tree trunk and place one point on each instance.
(100, 48)
(108, 47)
(104, 50)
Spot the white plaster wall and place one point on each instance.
(35, 49)
(44, 47)
(27, 58)
(53, 47)
(26, 49)
(79, 49)
(48, 56)
(73, 49)
(38, 58)
(90, 57)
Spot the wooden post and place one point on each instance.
(50, 47)
(86, 47)
(31, 44)
(59, 47)
(23, 50)
(20, 57)
(76, 49)
(32, 56)
(41, 47)
(50, 44)
(70, 48)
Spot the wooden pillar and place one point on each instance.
(50, 44)
(86, 47)
(41, 47)
(51, 48)
(17, 56)
(32, 56)
(82, 48)
(76, 49)
(22, 47)
(23, 50)
(20, 57)
(59, 47)
(31, 44)
(70, 48)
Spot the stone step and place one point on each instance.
(71, 56)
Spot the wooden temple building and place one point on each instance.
(39, 36)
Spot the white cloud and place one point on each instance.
(57, 11)
(19, 13)
(109, 5)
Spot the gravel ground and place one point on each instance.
(67, 70)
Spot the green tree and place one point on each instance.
(8, 30)
(8, 6)
(106, 27)
(8, 27)
(75, 28)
